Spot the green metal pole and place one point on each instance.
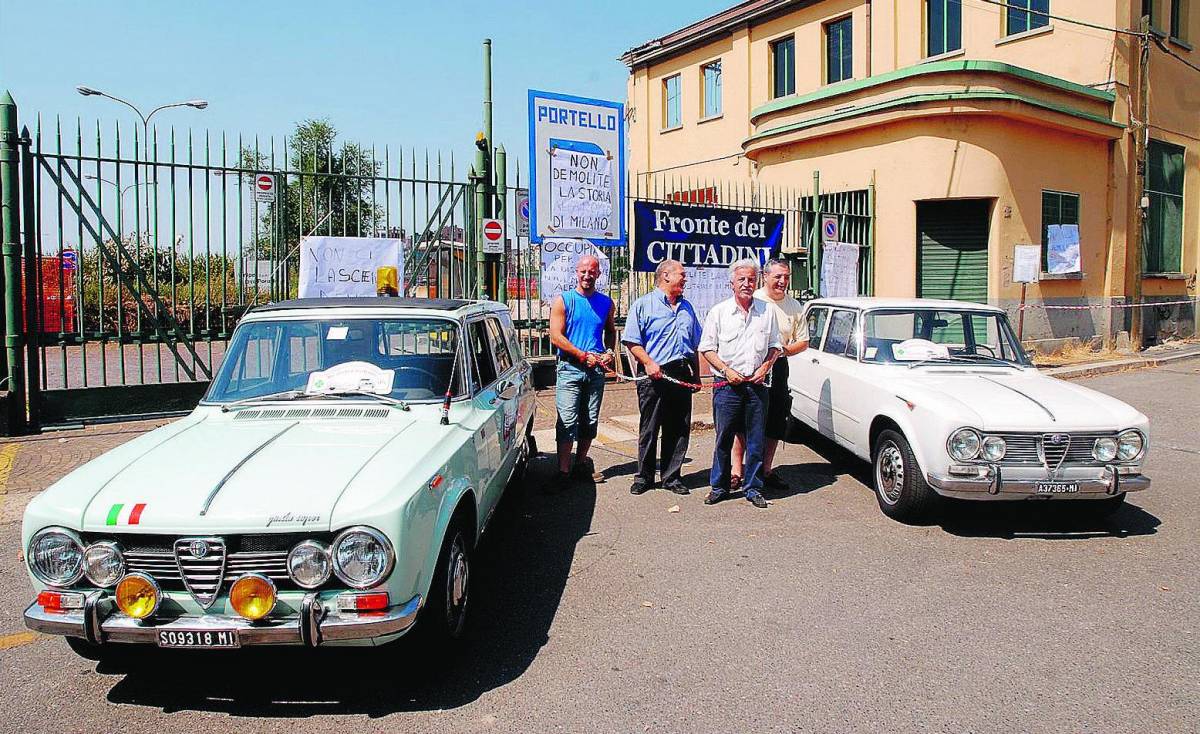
(487, 89)
(477, 224)
(814, 252)
(10, 233)
(501, 199)
(871, 237)
(486, 197)
(33, 273)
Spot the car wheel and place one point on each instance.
(528, 451)
(902, 491)
(445, 617)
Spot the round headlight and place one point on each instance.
(963, 444)
(56, 556)
(993, 448)
(103, 563)
(362, 557)
(1105, 449)
(1130, 445)
(309, 564)
(138, 595)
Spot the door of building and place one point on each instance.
(952, 249)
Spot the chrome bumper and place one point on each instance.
(99, 622)
(1009, 483)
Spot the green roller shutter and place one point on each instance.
(952, 237)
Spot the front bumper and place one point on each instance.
(993, 482)
(100, 622)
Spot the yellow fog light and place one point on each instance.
(138, 595)
(252, 596)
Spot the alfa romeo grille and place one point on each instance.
(202, 567)
(1054, 449)
(1026, 449)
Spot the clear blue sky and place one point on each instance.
(401, 73)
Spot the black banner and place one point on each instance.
(702, 236)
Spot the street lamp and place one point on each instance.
(89, 92)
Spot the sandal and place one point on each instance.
(735, 481)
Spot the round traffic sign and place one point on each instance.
(525, 209)
(264, 182)
(831, 228)
(493, 231)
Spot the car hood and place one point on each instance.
(1019, 401)
(221, 475)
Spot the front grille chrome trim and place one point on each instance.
(203, 576)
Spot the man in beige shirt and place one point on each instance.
(777, 276)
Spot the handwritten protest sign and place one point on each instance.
(581, 201)
(1062, 248)
(559, 256)
(345, 266)
(839, 270)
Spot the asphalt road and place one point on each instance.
(598, 611)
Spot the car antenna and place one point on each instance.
(453, 373)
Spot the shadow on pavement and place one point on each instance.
(521, 569)
(1065, 520)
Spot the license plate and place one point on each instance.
(198, 639)
(1057, 487)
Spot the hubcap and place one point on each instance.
(889, 473)
(457, 585)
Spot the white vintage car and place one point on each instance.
(329, 489)
(941, 398)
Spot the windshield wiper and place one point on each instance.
(381, 398)
(284, 395)
(964, 359)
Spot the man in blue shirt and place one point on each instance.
(662, 334)
(583, 333)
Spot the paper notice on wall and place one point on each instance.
(559, 258)
(1062, 248)
(1026, 263)
(706, 287)
(581, 200)
(346, 266)
(839, 270)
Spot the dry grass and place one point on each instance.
(1078, 352)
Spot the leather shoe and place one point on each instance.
(677, 487)
(757, 500)
(639, 488)
(715, 495)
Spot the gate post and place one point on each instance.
(33, 279)
(10, 232)
(499, 213)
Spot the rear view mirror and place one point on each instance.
(940, 323)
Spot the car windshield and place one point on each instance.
(406, 359)
(915, 336)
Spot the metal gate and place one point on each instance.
(855, 211)
(140, 249)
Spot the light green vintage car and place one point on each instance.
(329, 489)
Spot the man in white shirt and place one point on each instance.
(789, 317)
(741, 341)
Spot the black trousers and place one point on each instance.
(666, 411)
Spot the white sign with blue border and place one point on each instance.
(577, 187)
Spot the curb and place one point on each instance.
(1116, 365)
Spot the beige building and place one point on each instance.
(983, 124)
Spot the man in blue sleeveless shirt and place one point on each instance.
(583, 333)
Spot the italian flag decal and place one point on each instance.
(125, 514)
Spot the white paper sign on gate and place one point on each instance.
(839, 270)
(706, 287)
(559, 257)
(581, 202)
(1027, 261)
(346, 266)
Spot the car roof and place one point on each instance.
(453, 307)
(873, 302)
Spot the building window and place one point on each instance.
(783, 67)
(1059, 209)
(710, 75)
(1156, 9)
(1163, 249)
(839, 50)
(1018, 19)
(672, 104)
(943, 26)
(1179, 19)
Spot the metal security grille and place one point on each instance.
(952, 239)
